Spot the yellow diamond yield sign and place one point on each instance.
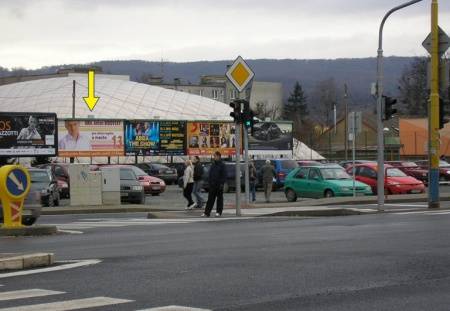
(240, 74)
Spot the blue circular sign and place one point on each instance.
(16, 182)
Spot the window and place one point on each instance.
(301, 174)
(289, 164)
(314, 174)
(233, 94)
(367, 172)
(215, 94)
(334, 173)
(59, 171)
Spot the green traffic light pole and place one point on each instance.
(380, 134)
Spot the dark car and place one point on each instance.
(169, 175)
(444, 169)
(179, 167)
(282, 168)
(45, 183)
(266, 131)
(131, 189)
(60, 171)
(411, 169)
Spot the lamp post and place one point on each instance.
(380, 135)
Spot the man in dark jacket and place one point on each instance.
(216, 180)
(198, 181)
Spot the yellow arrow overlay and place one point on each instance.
(16, 181)
(91, 100)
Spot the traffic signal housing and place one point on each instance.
(236, 114)
(442, 113)
(389, 109)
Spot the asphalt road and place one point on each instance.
(396, 261)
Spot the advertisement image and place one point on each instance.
(204, 138)
(271, 136)
(27, 134)
(90, 138)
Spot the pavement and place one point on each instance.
(389, 261)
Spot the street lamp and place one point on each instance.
(380, 134)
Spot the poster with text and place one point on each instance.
(271, 136)
(90, 138)
(204, 138)
(27, 134)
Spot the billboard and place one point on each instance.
(271, 136)
(90, 138)
(149, 138)
(204, 138)
(27, 134)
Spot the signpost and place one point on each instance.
(14, 187)
(240, 75)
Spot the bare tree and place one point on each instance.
(413, 89)
(264, 110)
(323, 99)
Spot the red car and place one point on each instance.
(152, 185)
(395, 182)
(411, 169)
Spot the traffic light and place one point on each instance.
(236, 114)
(442, 113)
(247, 114)
(389, 109)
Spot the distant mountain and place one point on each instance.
(357, 73)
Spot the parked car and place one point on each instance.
(282, 168)
(347, 164)
(169, 175)
(179, 167)
(152, 185)
(396, 182)
(308, 163)
(444, 169)
(131, 189)
(411, 169)
(322, 181)
(230, 183)
(60, 171)
(266, 131)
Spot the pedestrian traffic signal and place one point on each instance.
(442, 113)
(389, 109)
(236, 114)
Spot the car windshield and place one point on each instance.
(127, 174)
(39, 176)
(138, 171)
(394, 172)
(289, 164)
(410, 164)
(334, 173)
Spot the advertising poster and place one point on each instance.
(151, 138)
(27, 134)
(204, 138)
(90, 138)
(271, 136)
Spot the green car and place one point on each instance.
(322, 181)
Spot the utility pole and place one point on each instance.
(346, 121)
(380, 127)
(72, 159)
(433, 115)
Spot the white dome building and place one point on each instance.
(119, 99)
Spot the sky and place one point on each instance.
(36, 33)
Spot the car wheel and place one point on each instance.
(28, 221)
(442, 178)
(291, 196)
(226, 188)
(328, 193)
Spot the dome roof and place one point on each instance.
(119, 99)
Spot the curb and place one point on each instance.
(95, 211)
(28, 231)
(26, 261)
(320, 213)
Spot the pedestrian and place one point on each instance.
(198, 181)
(216, 180)
(188, 184)
(268, 174)
(252, 178)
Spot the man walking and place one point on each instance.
(216, 180)
(268, 173)
(252, 178)
(198, 181)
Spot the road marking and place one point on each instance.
(27, 293)
(70, 304)
(70, 231)
(70, 264)
(439, 213)
(402, 205)
(173, 308)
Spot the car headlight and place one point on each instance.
(393, 183)
(136, 188)
(346, 189)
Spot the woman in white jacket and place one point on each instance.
(188, 184)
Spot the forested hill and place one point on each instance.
(357, 73)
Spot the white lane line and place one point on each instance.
(70, 264)
(438, 213)
(173, 308)
(74, 304)
(27, 293)
(70, 231)
(402, 205)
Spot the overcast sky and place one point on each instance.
(37, 33)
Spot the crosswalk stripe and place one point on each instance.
(74, 304)
(27, 293)
(174, 308)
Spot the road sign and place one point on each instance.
(240, 74)
(355, 122)
(444, 42)
(14, 187)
